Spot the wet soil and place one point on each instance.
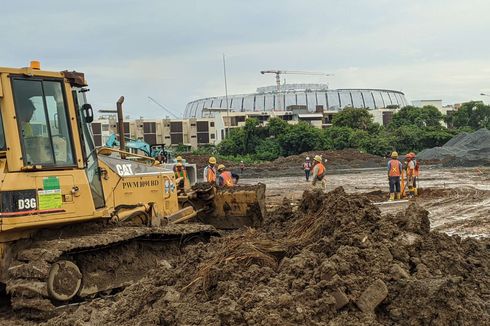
(334, 259)
(293, 165)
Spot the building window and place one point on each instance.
(202, 126)
(149, 127)
(211, 124)
(212, 136)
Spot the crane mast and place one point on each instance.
(278, 74)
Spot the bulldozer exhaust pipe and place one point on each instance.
(120, 122)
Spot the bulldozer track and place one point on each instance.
(29, 275)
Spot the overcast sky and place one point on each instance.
(172, 50)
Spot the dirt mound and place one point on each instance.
(465, 149)
(293, 165)
(334, 260)
(337, 160)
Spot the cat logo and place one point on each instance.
(124, 170)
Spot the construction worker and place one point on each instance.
(25, 113)
(412, 173)
(307, 168)
(226, 177)
(181, 178)
(180, 160)
(394, 173)
(242, 167)
(319, 172)
(210, 171)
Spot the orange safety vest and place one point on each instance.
(180, 174)
(211, 176)
(415, 171)
(227, 179)
(321, 170)
(394, 168)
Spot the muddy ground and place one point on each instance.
(293, 165)
(332, 259)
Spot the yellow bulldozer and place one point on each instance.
(76, 220)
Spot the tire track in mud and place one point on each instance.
(462, 210)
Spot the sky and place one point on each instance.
(172, 50)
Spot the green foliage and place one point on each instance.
(180, 149)
(338, 137)
(299, 138)
(412, 129)
(474, 115)
(427, 116)
(277, 126)
(268, 150)
(233, 144)
(205, 150)
(353, 118)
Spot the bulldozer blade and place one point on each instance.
(236, 207)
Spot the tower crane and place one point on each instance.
(278, 74)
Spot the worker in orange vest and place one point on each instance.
(394, 173)
(181, 178)
(180, 160)
(412, 173)
(210, 171)
(226, 178)
(319, 172)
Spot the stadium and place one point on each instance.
(310, 97)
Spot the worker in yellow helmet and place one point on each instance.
(210, 171)
(181, 178)
(180, 160)
(394, 173)
(319, 172)
(226, 178)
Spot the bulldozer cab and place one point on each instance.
(47, 153)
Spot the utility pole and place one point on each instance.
(226, 96)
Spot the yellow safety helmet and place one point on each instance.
(179, 158)
(212, 160)
(318, 158)
(221, 167)
(394, 154)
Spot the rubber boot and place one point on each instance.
(392, 196)
(397, 196)
(410, 192)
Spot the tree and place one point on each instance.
(474, 115)
(268, 150)
(427, 116)
(276, 126)
(250, 137)
(233, 144)
(353, 118)
(338, 137)
(300, 138)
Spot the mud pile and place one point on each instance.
(465, 149)
(337, 160)
(334, 260)
(292, 165)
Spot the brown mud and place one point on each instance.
(293, 165)
(334, 259)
